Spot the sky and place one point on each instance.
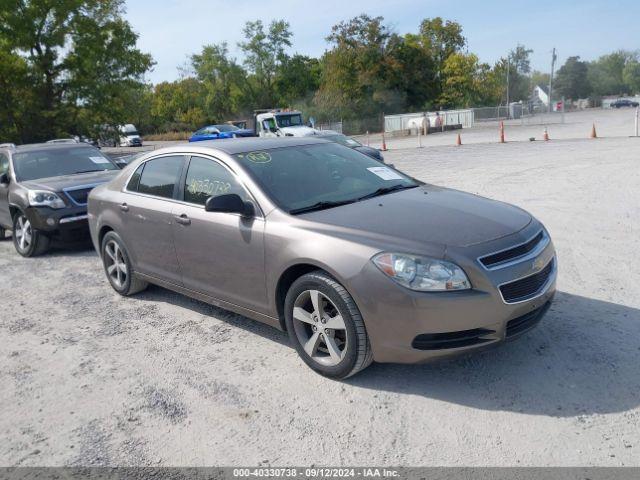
(171, 30)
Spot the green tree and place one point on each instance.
(179, 105)
(16, 98)
(462, 73)
(519, 67)
(631, 76)
(265, 51)
(442, 38)
(224, 81)
(412, 71)
(298, 79)
(606, 73)
(355, 70)
(539, 78)
(572, 81)
(80, 56)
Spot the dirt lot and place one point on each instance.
(90, 378)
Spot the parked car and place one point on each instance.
(354, 259)
(623, 102)
(333, 136)
(218, 132)
(43, 192)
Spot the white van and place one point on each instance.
(129, 136)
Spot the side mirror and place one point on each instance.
(230, 203)
(4, 179)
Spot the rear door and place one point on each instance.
(5, 216)
(220, 254)
(147, 220)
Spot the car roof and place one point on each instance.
(232, 146)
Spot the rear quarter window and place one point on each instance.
(134, 181)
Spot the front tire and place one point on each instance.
(28, 241)
(325, 326)
(117, 266)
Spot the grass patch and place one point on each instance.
(168, 136)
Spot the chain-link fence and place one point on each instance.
(335, 126)
(487, 114)
(409, 123)
(357, 126)
(542, 114)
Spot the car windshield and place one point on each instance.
(227, 128)
(313, 177)
(58, 161)
(343, 140)
(293, 120)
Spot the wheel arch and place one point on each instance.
(290, 275)
(104, 229)
(14, 210)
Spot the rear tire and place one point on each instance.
(28, 241)
(117, 266)
(3, 233)
(325, 326)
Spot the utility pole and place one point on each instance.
(553, 64)
(508, 66)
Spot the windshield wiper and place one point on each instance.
(319, 206)
(385, 190)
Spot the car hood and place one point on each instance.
(300, 131)
(57, 184)
(427, 214)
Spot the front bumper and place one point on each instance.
(68, 224)
(405, 326)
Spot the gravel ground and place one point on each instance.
(90, 378)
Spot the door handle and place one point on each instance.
(182, 219)
(124, 207)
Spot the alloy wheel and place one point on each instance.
(115, 263)
(24, 233)
(319, 327)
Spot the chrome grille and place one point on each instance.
(527, 287)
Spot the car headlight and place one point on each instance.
(421, 273)
(42, 198)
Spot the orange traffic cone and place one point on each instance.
(384, 144)
(593, 131)
(501, 132)
(459, 141)
(545, 135)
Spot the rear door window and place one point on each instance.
(160, 176)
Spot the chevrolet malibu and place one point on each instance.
(355, 260)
